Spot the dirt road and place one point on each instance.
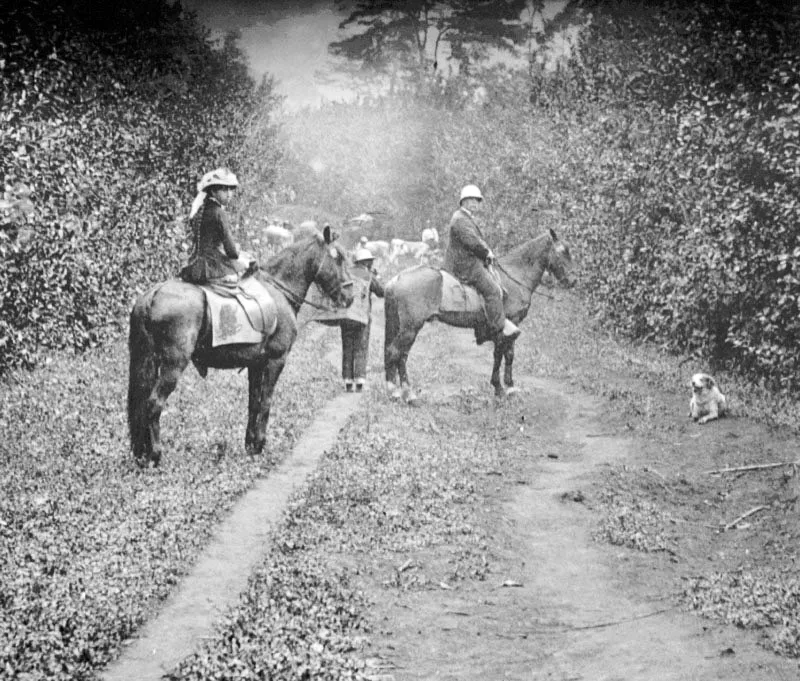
(546, 536)
(556, 603)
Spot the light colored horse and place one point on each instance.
(430, 236)
(409, 250)
(169, 328)
(379, 248)
(275, 238)
(414, 297)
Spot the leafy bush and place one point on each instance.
(761, 599)
(680, 154)
(668, 145)
(107, 124)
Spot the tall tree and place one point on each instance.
(408, 35)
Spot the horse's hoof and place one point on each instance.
(513, 390)
(255, 448)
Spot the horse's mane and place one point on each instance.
(522, 251)
(276, 263)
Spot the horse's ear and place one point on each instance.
(329, 235)
(553, 234)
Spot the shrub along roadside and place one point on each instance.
(106, 127)
(679, 130)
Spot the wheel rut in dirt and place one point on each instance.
(222, 571)
(574, 608)
(602, 630)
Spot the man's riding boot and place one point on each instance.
(510, 330)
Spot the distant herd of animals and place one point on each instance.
(279, 234)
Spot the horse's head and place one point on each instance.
(331, 269)
(559, 262)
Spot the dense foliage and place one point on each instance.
(109, 115)
(679, 132)
(668, 142)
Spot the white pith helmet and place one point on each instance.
(470, 191)
(362, 255)
(221, 177)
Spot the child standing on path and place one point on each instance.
(355, 335)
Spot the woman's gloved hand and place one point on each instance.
(248, 261)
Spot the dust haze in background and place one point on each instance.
(289, 40)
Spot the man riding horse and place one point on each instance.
(469, 258)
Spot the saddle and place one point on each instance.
(460, 297)
(245, 313)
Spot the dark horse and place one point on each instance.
(169, 328)
(413, 297)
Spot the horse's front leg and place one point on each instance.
(499, 349)
(261, 380)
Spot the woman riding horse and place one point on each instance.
(214, 257)
(170, 327)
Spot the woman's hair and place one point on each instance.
(195, 221)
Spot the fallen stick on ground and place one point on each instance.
(754, 467)
(734, 523)
(625, 620)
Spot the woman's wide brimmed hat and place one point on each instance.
(221, 177)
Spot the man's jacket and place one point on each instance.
(466, 248)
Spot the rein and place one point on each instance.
(291, 295)
(296, 299)
(519, 283)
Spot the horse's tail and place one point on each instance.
(143, 373)
(391, 327)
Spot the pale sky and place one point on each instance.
(289, 39)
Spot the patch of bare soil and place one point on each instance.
(603, 519)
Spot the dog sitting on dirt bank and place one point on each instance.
(707, 402)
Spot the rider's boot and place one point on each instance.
(510, 330)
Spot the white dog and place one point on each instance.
(707, 402)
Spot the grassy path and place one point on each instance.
(224, 568)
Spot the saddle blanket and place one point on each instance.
(458, 297)
(242, 314)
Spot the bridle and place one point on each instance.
(510, 276)
(296, 299)
(528, 288)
